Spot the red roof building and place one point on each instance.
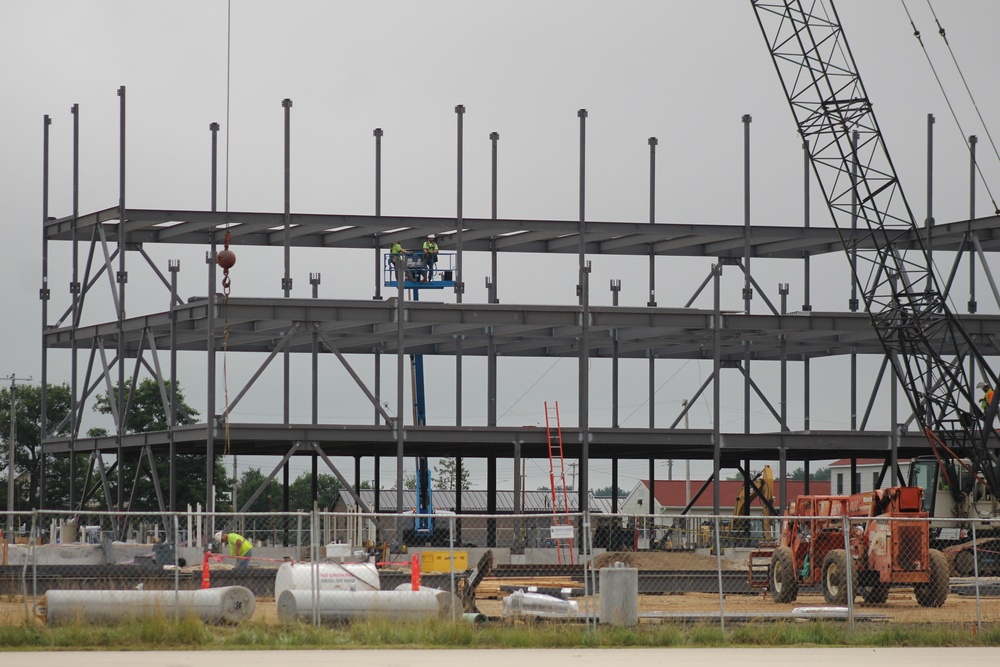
(670, 496)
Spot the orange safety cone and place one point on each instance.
(206, 579)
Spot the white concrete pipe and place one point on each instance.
(332, 577)
(340, 606)
(229, 604)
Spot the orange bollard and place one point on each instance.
(206, 579)
(415, 572)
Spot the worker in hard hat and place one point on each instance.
(239, 546)
(987, 398)
(399, 254)
(430, 256)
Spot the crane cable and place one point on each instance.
(965, 83)
(916, 33)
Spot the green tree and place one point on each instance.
(444, 475)
(147, 413)
(269, 499)
(818, 475)
(605, 492)
(28, 450)
(300, 492)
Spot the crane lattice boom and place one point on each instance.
(926, 343)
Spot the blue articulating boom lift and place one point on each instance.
(418, 276)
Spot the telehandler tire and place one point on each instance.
(935, 592)
(835, 577)
(781, 572)
(875, 593)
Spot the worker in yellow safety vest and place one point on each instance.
(239, 546)
(399, 262)
(430, 256)
(987, 398)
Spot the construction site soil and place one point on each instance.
(901, 607)
(667, 560)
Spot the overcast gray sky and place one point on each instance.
(684, 72)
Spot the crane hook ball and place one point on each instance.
(226, 258)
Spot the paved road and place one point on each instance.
(772, 657)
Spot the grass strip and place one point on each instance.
(190, 633)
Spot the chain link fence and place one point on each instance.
(324, 567)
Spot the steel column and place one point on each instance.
(806, 303)
(44, 295)
(584, 286)
(210, 333)
(929, 220)
(400, 294)
(652, 141)
(122, 279)
(286, 282)
(491, 360)
(459, 275)
(376, 350)
(747, 288)
(973, 140)
(377, 132)
(616, 286)
(173, 266)
(717, 378)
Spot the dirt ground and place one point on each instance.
(666, 560)
(901, 607)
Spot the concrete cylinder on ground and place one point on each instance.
(341, 606)
(619, 586)
(229, 604)
(331, 576)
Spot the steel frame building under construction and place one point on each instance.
(387, 327)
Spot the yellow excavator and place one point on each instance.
(737, 531)
(761, 487)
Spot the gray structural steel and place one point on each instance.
(283, 326)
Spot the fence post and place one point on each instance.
(34, 568)
(589, 571)
(975, 572)
(718, 572)
(849, 575)
(177, 568)
(314, 557)
(451, 558)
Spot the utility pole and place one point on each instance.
(12, 446)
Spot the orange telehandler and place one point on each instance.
(887, 544)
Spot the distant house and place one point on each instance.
(670, 497)
(676, 530)
(473, 502)
(472, 525)
(867, 472)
